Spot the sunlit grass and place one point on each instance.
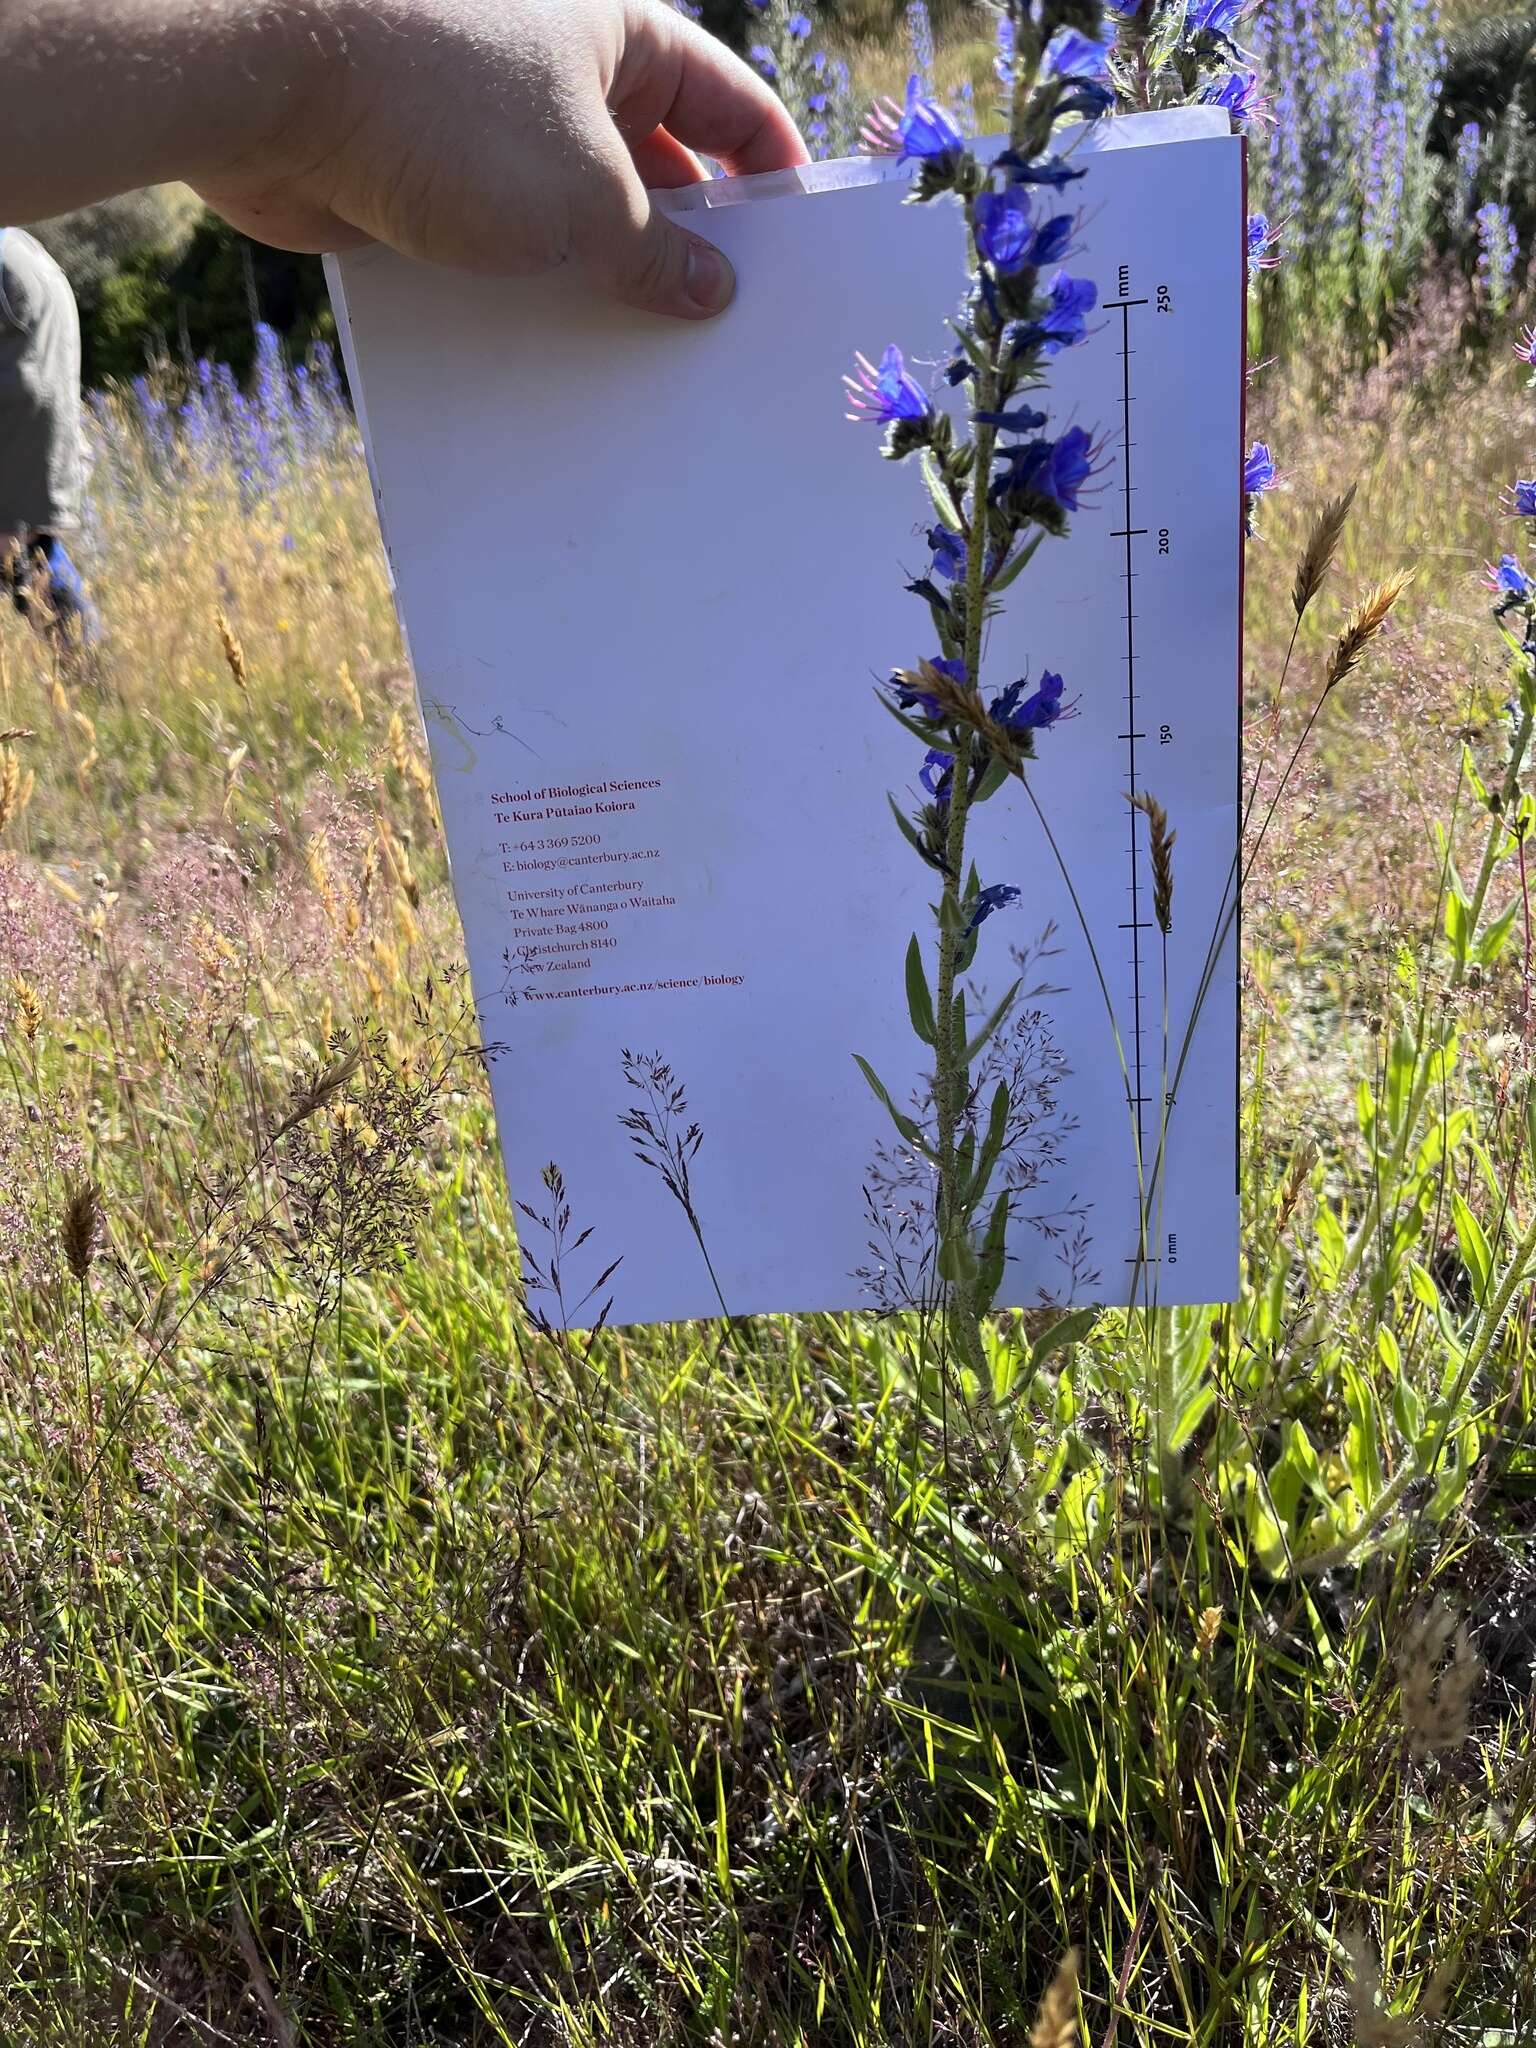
(377, 1670)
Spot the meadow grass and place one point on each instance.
(376, 1669)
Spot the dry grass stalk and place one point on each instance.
(10, 786)
(16, 732)
(399, 753)
(1438, 1673)
(283, 2030)
(317, 864)
(349, 691)
(234, 653)
(81, 1227)
(1056, 2023)
(1162, 859)
(1365, 622)
(1295, 1183)
(1322, 545)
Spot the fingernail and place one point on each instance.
(711, 280)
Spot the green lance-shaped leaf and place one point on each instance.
(904, 1124)
(1014, 569)
(991, 1150)
(957, 1257)
(996, 774)
(953, 916)
(1474, 781)
(1496, 936)
(939, 492)
(926, 733)
(908, 829)
(1458, 924)
(1071, 1328)
(994, 1255)
(1473, 1245)
(919, 1000)
(957, 1024)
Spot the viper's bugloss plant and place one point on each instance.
(1343, 162)
(1000, 484)
(815, 86)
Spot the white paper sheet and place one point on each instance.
(651, 578)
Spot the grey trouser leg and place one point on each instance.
(42, 448)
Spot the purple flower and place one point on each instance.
(1071, 55)
(799, 25)
(1263, 243)
(764, 59)
(1065, 321)
(1259, 471)
(1239, 93)
(925, 132)
(1041, 170)
(1509, 577)
(1215, 17)
(1086, 97)
(1005, 225)
(1525, 347)
(1523, 498)
(949, 553)
(1057, 470)
(996, 898)
(1007, 237)
(1069, 468)
(1023, 419)
(1039, 710)
(888, 394)
(1002, 63)
(935, 773)
(1052, 241)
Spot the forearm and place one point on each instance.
(100, 96)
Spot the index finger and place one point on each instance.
(675, 75)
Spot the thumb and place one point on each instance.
(635, 254)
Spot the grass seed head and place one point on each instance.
(29, 1007)
(1439, 1673)
(1322, 545)
(1162, 859)
(1056, 2023)
(234, 653)
(81, 1227)
(1374, 2027)
(1365, 622)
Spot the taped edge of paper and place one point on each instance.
(843, 174)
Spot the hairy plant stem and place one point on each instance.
(1509, 792)
(952, 1079)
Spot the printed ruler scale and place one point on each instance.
(1145, 1077)
(1135, 924)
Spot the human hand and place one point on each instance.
(508, 137)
